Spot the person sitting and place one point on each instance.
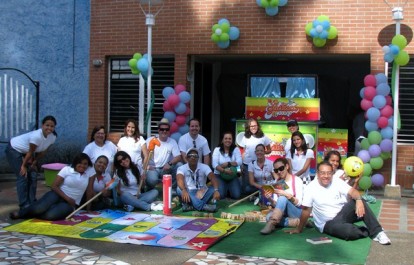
(66, 194)
(192, 184)
(226, 157)
(327, 199)
(260, 172)
(333, 157)
(285, 197)
(300, 157)
(129, 187)
(97, 183)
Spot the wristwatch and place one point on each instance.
(170, 164)
(228, 164)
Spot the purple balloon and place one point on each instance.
(377, 180)
(364, 155)
(386, 145)
(374, 150)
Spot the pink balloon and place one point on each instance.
(388, 100)
(187, 112)
(370, 92)
(382, 122)
(166, 106)
(179, 88)
(174, 127)
(174, 100)
(370, 80)
(366, 104)
(387, 111)
(180, 120)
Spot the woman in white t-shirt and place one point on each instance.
(22, 153)
(300, 157)
(97, 183)
(133, 143)
(66, 194)
(333, 157)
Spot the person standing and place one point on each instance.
(292, 126)
(22, 154)
(300, 157)
(193, 139)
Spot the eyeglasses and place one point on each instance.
(122, 159)
(280, 169)
(164, 129)
(325, 173)
(253, 126)
(194, 144)
(192, 156)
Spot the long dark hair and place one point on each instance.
(79, 158)
(95, 130)
(248, 133)
(232, 146)
(52, 119)
(121, 171)
(303, 147)
(332, 153)
(137, 133)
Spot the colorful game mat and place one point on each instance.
(139, 228)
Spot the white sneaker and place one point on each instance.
(382, 238)
(157, 207)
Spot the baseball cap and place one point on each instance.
(192, 149)
(292, 123)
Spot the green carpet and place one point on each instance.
(248, 241)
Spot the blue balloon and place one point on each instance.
(381, 78)
(272, 11)
(326, 24)
(145, 56)
(167, 91)
(391, 121)
(234, 33)
(184, 129)
(223, 45)
(386, 133)
(379, 101)
(373, 114)
(316, 23)
(143, 65)
(282, 2)
(185, 97)
(180, 108)
(259, 3)
(176, 136)
(388, 57)
(394, 49)
(383, 89)
(313, 33)
(323, 35)
(170, 116)
(371, 126)
(361, 92)
(223, 20)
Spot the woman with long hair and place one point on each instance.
(300, 157)
(133, 143)
(97, 183)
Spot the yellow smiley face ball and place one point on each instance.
(353, 166)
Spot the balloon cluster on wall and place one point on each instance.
(223, 33)
(177, 109)
(376, 102)
(271, 6)
(321, 30)
(139, 64)
(395, 51)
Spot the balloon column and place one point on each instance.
(176, 109)
(395, 51)
(320, 30)
(377, 104)
(139, 65)
(271, 6)
(223, 33)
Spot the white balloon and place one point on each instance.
(218, 32)
(386, 49)
(319, 28)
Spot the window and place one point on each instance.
(124, 91)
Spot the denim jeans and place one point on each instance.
(50, 207)
(197, 203)
(246, 188)
(154, 176)
(233, 187)
(287, 208)
(26, 186)
(141, 201)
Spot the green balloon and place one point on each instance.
(215, 26)
(319, 42)
(322, 18)
(374, 137)
(367, 170)
(225, 27)
(274, 3)
(132, 63)
(385, 155)
(135, 71)
(365, 183)
(231, 176)
(264, 3)
(402, 58)
(365, 144)
(137, 56)
(376, 162)
(332, 32)
(308, 28)
(224, 37)
(215, 38)
(400, 41)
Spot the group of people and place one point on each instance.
(284, 184)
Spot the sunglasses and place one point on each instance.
(122, 159)
(280, 169)
(164, 129)
(192, 156)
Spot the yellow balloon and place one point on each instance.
(353, 166)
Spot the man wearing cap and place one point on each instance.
(193, 139)
(192, 184)
(166, 157)
(292, 126)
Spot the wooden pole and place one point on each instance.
(242, 200)
(83, 205)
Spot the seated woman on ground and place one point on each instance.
(97, 183)
(285, 198)
(66, 194)
(129, 187)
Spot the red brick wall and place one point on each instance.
(183, 28)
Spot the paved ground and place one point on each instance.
(396, 216)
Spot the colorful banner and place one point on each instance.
(283, 109)
(332, 139)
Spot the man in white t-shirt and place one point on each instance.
(166, 158)
(334, 214)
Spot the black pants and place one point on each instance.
(342, 226)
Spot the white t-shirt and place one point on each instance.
(197, 179)
(298, 161)
(99, 185)
(133, 183)
(186, 142)
(219, 158)
(75, 184)
(298, 190)
(22, 142)
(327, 202)
(249, 145)
(108, 149)
(133, 148)
(262, 175)
(164, 153)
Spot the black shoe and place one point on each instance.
(187, 207)
(14, 215)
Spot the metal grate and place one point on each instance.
(124, 91)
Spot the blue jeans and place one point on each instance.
(197, 203)
(287, 208)
(232, 186)
(26, 186)
(50, 207)
(154, 176)
(141, 201)
(246, 188)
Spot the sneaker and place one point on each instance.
(157, 207)
(211, 208)
(187, 207)
(382, 238)
(128, 208)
